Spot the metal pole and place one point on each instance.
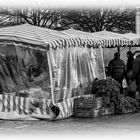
(118, 48)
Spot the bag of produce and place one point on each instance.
(124, 83)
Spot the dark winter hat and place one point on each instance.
(117, 54)
(129, 53)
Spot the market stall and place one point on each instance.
(42, 71)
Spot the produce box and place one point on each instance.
(87, 106)
(84, 112)
(88, 102)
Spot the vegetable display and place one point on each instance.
(107, 87)
(113, 102)
(109, 90)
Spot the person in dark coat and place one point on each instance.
(116, 68)
(129, 66)
(136, 72)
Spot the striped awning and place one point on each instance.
(92, 40)
(134, 38)
(112, 39)
(104, 38)
(42, 37)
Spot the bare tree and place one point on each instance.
(121, 20)
(44, 18)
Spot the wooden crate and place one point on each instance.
(88, 102)
(87, 106)
(84, 112)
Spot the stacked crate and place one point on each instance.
(87, 106)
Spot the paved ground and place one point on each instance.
(112, 125)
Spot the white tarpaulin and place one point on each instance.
(73, 66)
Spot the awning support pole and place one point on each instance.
(102, 57)
(118, 49)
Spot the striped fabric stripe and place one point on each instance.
(3, 100)
(16, 104)
(1, 103)
(10, 103)
(4, 103)
(66, 108)
(19, 105)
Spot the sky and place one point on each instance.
(69, 3)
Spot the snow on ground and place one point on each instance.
(108, 125)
